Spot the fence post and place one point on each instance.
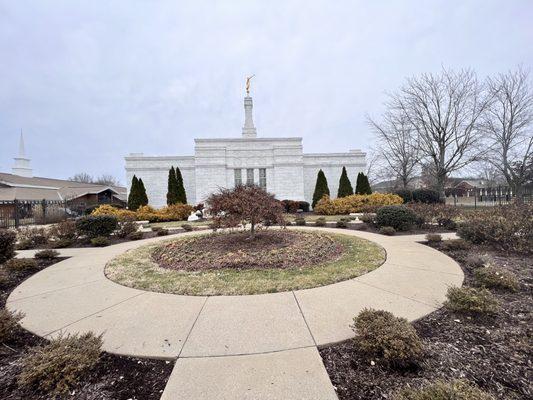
(16, 206)
(43, 205)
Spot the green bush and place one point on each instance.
(320, 221)
(494, 277)
(46, 254)
(456, 244)
(100, 241)
(471, 300)
(162, 232)
(433, 238)
(8, 324)
(187, 227)
(137, 235)
(94, 226)
(387, 230)
(342, 223)
(427, 196)
(439, 390)
(300, 221)
(61, 243)
(21, 264)
(379, 333)
(7, 245)
(405, 194)
(400, 218)
(58, 366)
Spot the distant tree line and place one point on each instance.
(442, 123)
(105, 179)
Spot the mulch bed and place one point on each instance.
(114, 377)
(268, 250)
(495, 353)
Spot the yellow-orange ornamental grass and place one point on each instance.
(356, 203)
(174, 212)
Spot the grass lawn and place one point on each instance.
(137, 269)
(175, 224)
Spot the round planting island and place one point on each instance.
(235, 264)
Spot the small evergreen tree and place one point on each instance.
(133, 197)
(172, 191)
(321, 187)
(181, 195)
(143, 198)
(345, 186)
(363, 186)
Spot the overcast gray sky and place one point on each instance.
(89, 82)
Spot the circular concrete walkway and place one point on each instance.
(220, 334)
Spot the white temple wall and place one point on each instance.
(331, 165)
(154, 173)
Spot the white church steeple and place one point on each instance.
(22, 164)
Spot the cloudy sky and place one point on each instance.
(90, 81)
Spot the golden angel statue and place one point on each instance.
(248, 78)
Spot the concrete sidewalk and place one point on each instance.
(238, 343)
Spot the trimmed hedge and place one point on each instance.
(7, 245)
(355, 203)
(400, 218)
(94, 226)
(426, 196)
(292, 206)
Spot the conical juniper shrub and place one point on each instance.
(345, 186)
(321, 187)
(143, 198)
(172, 187)
(133, 196)
(181, 195)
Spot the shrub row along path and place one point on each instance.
(232, 347)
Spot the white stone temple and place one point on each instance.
(277, 164)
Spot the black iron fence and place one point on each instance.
(28, 212)
(492, 196)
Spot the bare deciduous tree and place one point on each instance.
(508, 124)
(398, 145)
(444, 109)
(108, 180)
(82, 177)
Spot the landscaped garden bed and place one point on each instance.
(232, 263)
(111, 378)
(490, 347)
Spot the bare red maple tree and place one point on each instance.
(242, 205)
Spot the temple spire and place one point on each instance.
(22, 163)
(248, 130)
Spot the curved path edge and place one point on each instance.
(270, 333)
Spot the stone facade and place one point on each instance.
(278, 164)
